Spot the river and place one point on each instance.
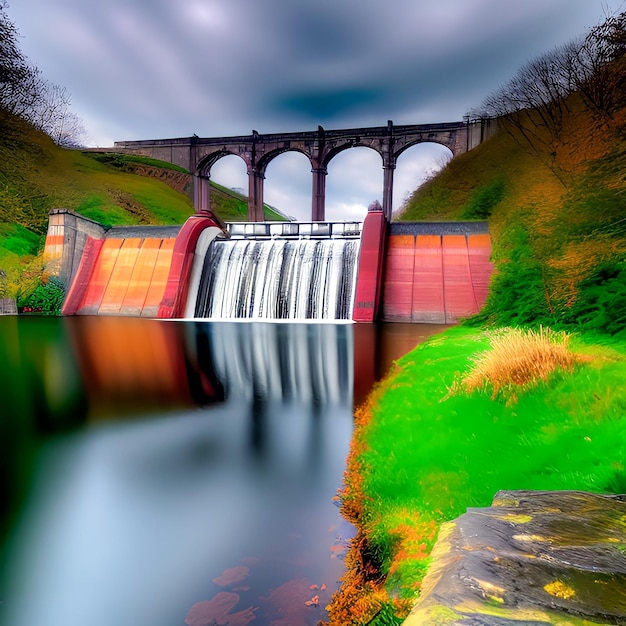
(172, 473)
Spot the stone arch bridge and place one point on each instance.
(198, 154)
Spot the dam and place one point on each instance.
(418, 272)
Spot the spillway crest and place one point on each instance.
(278, 279)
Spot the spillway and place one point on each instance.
(278, 279)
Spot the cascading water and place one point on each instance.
(278, 279)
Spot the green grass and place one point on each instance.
(100, 209)
(126, 162)
(429, 454)
(112, 189)
(19, 240)
(483, 200)
(232, 206)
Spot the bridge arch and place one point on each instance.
(344, 168)
(414, 165)
(287, 183)
(231, 172)
(412, 144)
(202, 176)
(208, 161)
(344, 147)
(267, 158)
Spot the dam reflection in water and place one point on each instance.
(174, 472)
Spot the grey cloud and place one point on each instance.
(323, 104)
(141, 69)
(280, 64)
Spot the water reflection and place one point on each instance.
(177, 472)
(193, 449)
(377, 346)
(310, 362)
(130, 365)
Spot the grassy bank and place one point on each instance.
(36, 176)
(425, 449)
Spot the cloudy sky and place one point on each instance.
(148, 69)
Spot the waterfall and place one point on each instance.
(278, 279)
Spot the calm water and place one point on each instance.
(172, 473)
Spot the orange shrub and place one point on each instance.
(519, 359)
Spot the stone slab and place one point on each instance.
(532, 558)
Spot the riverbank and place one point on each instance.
(424, 450)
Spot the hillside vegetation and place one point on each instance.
(558, 223)
(36, 175)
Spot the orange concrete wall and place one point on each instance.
(121, 277)
(435, 278)
(53, 249)
(66, 239)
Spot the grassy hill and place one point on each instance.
(36, 176)
(558, 222)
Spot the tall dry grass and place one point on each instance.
(519, 359)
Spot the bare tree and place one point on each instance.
(533, 105)
(600, 69)
(12, 61)
(539, 90)
(21, 98)
(25, 93)
(51, 114)
(15, 73)
(594, 66)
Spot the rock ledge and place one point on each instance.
(533, 557)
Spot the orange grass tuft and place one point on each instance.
(362, 595)
(520, 359)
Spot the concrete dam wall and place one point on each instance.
(417, 272)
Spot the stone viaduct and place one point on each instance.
(198, 154)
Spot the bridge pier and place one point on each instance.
(318, 209)
(201, 193)
(256, 212)
(388, 189)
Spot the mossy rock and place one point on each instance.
(533, 557)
